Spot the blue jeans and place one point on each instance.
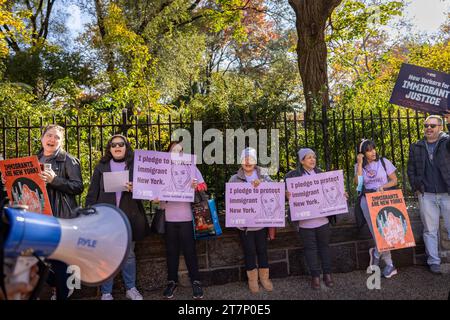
(385, 255)
(128, 273)
(432, 206)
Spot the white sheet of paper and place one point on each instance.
(115, 181)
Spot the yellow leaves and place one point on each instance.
(15, 26)
(132, 78)
(121, 37)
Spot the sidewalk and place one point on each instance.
(414, 282)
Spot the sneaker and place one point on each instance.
(435, 268)
(134, 294)
(107, 296)
(170, 289)
(389, 271)
(197, 291)
(53, 297)
(374, 260)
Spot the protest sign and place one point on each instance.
(390, 220)
(422, 89)
(23, 184)
(247, 206)
(163, 175)
(317, 195)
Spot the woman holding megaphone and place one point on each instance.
(118, 156)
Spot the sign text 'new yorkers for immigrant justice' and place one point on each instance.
(317, 195)
(422, 89)
(247, 206)
(163, 175)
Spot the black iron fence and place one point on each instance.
(86, 137)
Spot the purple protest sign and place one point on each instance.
(422, 89)
(163, 175)
(317, 195)
(254, 207)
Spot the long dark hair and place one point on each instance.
(171, 144)
(129, 154)
(364, 146)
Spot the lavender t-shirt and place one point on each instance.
(252, 177)
(180, 211)
(374, 174)
(314, 222)
(117, 166)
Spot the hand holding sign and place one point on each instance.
(447, 116)
(256, 183)
(129, 186)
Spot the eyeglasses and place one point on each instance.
(117, 144)
(426, 125)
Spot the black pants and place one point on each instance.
(255, 246)
(316, 243)
(57, 278)
(180, 236)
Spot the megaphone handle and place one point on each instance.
(44, 269)
(21, 272)
(21, 277)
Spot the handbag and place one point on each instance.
(204, 217)
(159, 221)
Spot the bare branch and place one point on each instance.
(11, 42)
(44, 27)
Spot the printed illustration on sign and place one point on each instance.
(26, 192)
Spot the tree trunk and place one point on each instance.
(101, 11)
(311, 18)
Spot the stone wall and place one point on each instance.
(221, 259)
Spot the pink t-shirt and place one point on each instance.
(180, 211)
(314, 222)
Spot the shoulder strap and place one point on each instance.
(384, 167)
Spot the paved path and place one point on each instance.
(410, 283)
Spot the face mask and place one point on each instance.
(360, 184)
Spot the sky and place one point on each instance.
(426, 16)
(76, 20)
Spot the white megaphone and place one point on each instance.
(98, 241)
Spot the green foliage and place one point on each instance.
(223, 62)
(132, 80)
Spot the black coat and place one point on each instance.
(67, 184)
(133, 208)
(418, 155)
